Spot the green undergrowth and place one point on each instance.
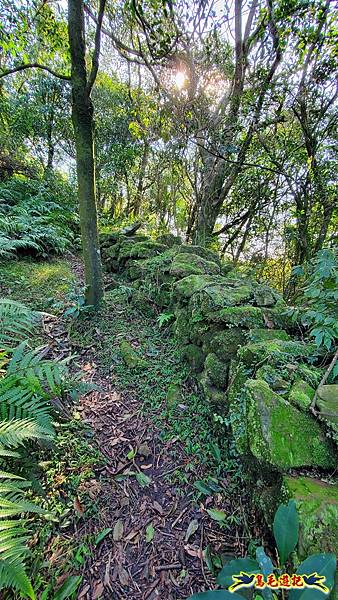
(161, 380)
(38, 284)
(66, 475)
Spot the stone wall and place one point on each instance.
(238, 339)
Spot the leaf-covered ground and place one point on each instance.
(147, 503)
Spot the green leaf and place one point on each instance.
(100, 536)
(217, 515)
(234, 567)
(150, 532)
(285, 530)
(143, 479)
(266, 568)
(68, 588)
(323, 564)
(215, 595)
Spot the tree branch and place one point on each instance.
(34, 66)
(96, 53)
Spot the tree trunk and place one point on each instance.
(82, 118)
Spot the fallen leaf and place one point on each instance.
(216, 515)
(118, 530)
(143, 479)
(193, 551)
(78, 506)
(192, 528)
(123, 576)
(158, 507)
(144, 450)
(150, 532)
(98, 590)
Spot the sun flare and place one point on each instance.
(180, 79)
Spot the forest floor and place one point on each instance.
(146, 504)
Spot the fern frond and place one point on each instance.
(15, 432)
(12, 575)
(16, 322)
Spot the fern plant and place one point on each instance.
(27, 383)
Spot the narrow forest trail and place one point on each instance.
(159, 523)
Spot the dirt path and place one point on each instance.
(160, 530)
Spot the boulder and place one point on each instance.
(262, 335)
(317, 506)
(192, 264)
(264, 296)
(205, 253)
(327, 403)
(188, 286)
(169, 239)
(216, 371)
(140, 250)
(275, 351)
(194, 356)
(301, 394)
(225, 343)
(281, 435)
(130, 356)
(274, 378)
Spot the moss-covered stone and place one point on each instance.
(188, 286)
(140, 250)
(169, 239)
(317, 506)
(301, 394)
(225, 343)
(130, 356)
(217, 371)
(275, 351)
(142, 303)
(182, 326)
(264, 296)
(282, 436)
(327, 403)
(194, 356)
(184, 265)
(262, 335)
(274, 378)
(174, 397)
(237, 401)
(215, 396)
(205, 253)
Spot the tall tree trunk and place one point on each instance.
(82, 118)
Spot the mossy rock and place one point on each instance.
(184, 265)
(169, 239)
(215, 396)
(274, 378)
(217, 371)
(301, 394)
(182, 326)
(140, 250)
(327, 403)
(194, 356)
(174, 397)
(130, 356)
(205, 253)
(188, 286)
(225, 343)
(243, 316)
(142, 303)
(317, 506)
(264, 296)
(216, 296)
(262, 335)
(201, 332)
(276, 351)
(237, 402)
(281, 435)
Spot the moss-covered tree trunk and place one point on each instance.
(82, 117)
